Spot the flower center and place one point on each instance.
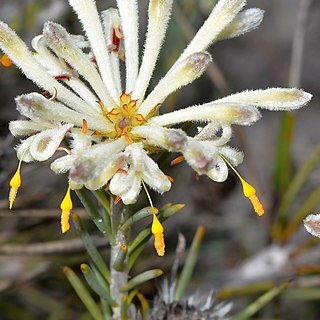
(124, 117)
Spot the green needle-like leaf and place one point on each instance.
(310, 204)
(93, 282)
(293, 190)
(260, 302)
(92, 210)
(138, 216)
(187, 270)
(141, 278)
(90, 247)
(83, 294)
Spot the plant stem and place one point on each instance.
(119, 214)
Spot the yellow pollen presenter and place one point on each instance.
(248, 190)
(66, 206)
(15, 184)
(156, 227)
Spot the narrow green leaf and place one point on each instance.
(136, 253)
(83, 294)
(90, 247)
(92, 210)
(244, 290)
(308, 205)
(167, 212)
(303, 294)
(293, 190)
(260, 302)
(283, 165)
(93, 282)
(138, 216)
(124, 308)
(101, 196)
(107, 312)
(188, 268)
(119, 262)
(141, 278)
(141, 238)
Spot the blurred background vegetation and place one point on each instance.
(242, 256)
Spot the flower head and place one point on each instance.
(111, 128)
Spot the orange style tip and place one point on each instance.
(117, 200)
(170, 178)
(84, 129)
(177, 160)
(6, 61)
(120, 170)
(257, 206)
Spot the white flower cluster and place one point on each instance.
(111, 129)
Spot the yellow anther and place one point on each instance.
(15, 184)
(66, 206)
(6, 61)
(248, 190)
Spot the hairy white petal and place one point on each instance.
(35, 106)
(91, 164)
(209, 132)
(128, 10)
(23, 149)
(16, 49)
(131, 195)
(63, 164)
(50, 62)
(60, 41)
(46, 143)
(182, 74)
(223, 112)
(80, 142)
(200, 154)
(312, 224)
(135, 156)
(106, 174)
(83, 91)
(153, 176)
(27, 127)
(271, 99)
(219, 171)
(159, 13)
(245, 21)
(88, 15)
(222, 14)
(109, 17)
(45, 57)
(234, 156)
(170, 139)
(126, 186)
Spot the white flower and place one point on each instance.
(111, 128)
